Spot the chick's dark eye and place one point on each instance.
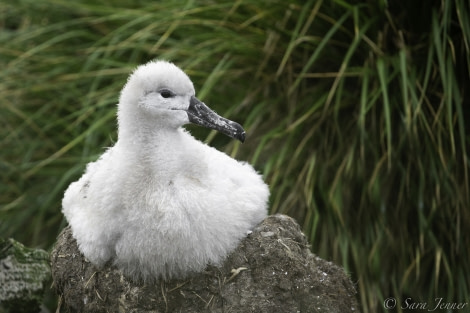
(167, 93)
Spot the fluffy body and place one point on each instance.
(159, 203)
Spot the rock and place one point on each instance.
(24, 273)
(272, 270)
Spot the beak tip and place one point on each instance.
(241, 137)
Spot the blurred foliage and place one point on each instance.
(356, 114)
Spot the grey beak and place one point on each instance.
(201, 114)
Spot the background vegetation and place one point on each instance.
(356, 114)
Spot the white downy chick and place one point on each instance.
(159, 203)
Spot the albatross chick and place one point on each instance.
(159, 203)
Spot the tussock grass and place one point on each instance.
(356, 115)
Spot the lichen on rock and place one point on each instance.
(24, 273)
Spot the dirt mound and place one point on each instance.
(272, 270)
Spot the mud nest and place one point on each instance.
(271, 271)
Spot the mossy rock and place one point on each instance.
(24, 273)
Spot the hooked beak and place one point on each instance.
(201, 114)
